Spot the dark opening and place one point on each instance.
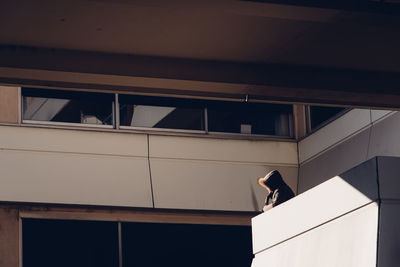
(49, 243)
(321, 115)
(250, 118)
(65, 243)
(149, 244)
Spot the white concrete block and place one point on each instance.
(350, 240)
(316, 206)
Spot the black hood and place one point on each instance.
(274, 181)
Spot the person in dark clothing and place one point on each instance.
(278, 190)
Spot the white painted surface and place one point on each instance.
(334, 161)
(350, 240)
(318, 205)
(377, 115)
(179, 184)
(73, 141)
(266, 152)
(385, 137)
(68, 178)
(329, 135)
(379, 138)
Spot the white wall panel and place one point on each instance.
(377, 115)
(73, 141)
(188, 184)
(273, 152)
(331, 134)
(74, 178)
(350, 240)
(318, 205)
(334, 161)
(385, 137)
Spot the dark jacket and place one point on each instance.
(280, 191)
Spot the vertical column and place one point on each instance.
(300, 121)
(9, 237)
(9, 104)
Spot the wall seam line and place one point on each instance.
(379, 210)
(148, 161)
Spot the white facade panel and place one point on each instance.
(377, 115)
(204, 185)
(73, 141)
(271, 152)
(385, 137)
(338, 159)
(67, 178)
(350, 240)
(333, 133)
(341, 194)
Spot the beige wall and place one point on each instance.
(47, 165)
(73, 167)
(9, 104)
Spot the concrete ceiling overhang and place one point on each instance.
(215, 48)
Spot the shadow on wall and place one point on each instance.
(364, 178)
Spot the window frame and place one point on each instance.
(162, 131)
(68, 124)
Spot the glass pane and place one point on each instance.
(319, 115)
(67, 106)
(249, 118)
(49, 243)
(182, 245)
(159, 112)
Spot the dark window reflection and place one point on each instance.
(49, 243)
(249, 118)
(160, 112)
(67, 106)
(182, 245)
(320, 115)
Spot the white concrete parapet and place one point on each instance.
(333, 224)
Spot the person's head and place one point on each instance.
(271, 181)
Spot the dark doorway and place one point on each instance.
(147, 244)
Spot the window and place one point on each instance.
(319, 115)
(65, 243)
(249, 118)
(49, 243)
(67, 106)
(161, 112)
(138, 112)
(213, 116)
